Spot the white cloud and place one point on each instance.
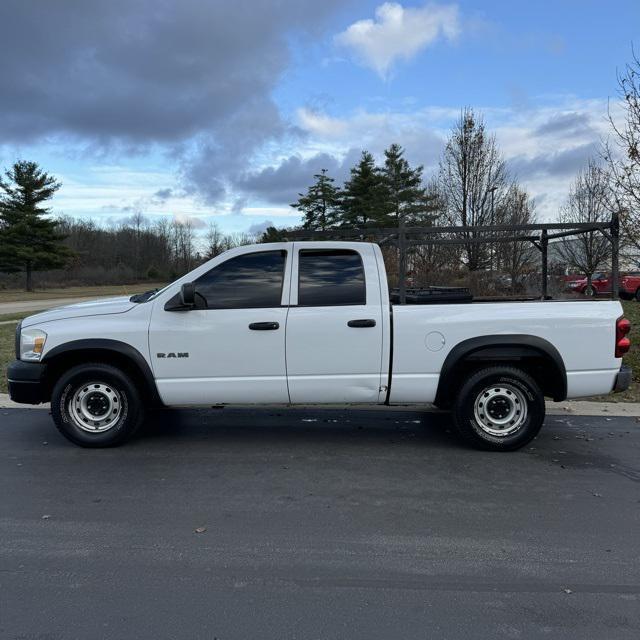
(398, 33)
(544, 145)
(320, 123)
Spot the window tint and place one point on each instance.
(330, 277)
(252, 280)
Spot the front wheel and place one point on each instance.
(96, 405)
(499, 409)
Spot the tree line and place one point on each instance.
(82, 252)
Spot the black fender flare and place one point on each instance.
(109, 346)
(502, 348)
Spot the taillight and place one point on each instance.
(623, 326)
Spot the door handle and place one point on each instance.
(361, 324)
(264, 326)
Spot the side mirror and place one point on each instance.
(188, 294)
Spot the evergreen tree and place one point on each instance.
(320, 204)
(272, 234)
(28, 239)
(364, 195)
(406, 198)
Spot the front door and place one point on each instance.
(231, 348)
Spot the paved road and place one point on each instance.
(321, 524)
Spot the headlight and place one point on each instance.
(32, 344)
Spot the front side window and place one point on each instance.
(253, 280)
(330, 277)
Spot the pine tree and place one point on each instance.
(406, 198)
(273, 234)
(364, 195)
(28, 239)
(320, 204)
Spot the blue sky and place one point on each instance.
(211, 111)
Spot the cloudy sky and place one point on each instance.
(209, 109)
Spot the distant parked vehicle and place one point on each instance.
(601, 284)
(630, 286)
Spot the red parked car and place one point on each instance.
(601, 284)
(630, 286)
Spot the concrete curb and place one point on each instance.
(572, 407)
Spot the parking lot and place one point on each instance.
(293, 523)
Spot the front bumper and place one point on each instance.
(27, 382)
(623, 379)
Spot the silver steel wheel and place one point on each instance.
(96, 407)
(500, 410)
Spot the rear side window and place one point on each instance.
(252, 280)
(330, 277)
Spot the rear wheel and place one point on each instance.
(499, 409)
(589, 291)
(638, 294)
(96, 405)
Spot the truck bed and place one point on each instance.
(583, 333)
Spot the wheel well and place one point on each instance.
(544, 365)
(58, 363)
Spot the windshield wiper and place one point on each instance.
(143, 297)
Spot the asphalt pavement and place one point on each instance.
(303, 523)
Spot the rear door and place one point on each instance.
(335, 325)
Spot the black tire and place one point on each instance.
(638, 294)
(113, 388)
(589, 291)
(512, 392)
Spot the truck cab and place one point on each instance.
(276, 323)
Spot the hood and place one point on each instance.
(103, 306)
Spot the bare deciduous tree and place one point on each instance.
(473, 179)
(588, 201)
(515, 258)
(214, 241)
(622, 152)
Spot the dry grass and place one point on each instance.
(632, 359)
(7, 352)
(78, 292)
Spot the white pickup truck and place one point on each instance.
(312, 323)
